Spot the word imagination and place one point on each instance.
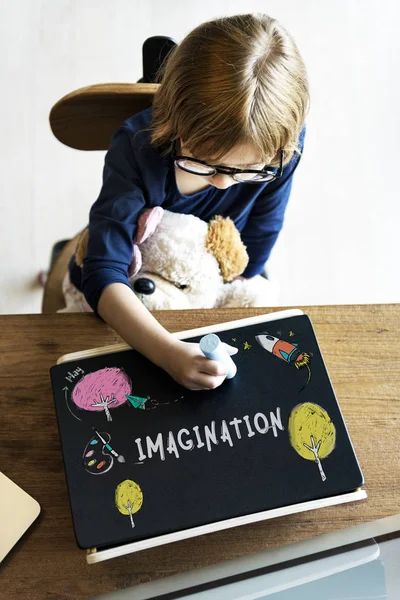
(208, 436)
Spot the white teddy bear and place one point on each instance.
(180, 262)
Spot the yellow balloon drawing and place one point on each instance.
(128, 498)
(312, 433)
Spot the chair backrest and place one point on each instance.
(87, 118)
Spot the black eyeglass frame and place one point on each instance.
(227, 170)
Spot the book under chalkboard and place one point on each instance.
(149, 462)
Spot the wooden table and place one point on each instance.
(361, 346)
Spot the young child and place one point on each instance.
(224, 137)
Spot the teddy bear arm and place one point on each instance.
(253, 292)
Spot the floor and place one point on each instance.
(339, 242)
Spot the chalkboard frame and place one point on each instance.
(103, 554)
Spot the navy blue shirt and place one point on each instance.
(136, 176)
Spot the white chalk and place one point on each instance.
(212, 347)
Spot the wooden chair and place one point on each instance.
(86, 119)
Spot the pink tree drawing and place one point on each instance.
(102, 389)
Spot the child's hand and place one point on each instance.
(190, 368)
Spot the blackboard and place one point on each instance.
(192, 458)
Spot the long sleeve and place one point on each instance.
(113, 219)
(266, 217)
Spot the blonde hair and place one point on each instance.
(233, 80)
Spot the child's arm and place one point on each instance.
(124, 312)
(105, 284)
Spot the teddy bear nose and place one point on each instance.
(144, 286)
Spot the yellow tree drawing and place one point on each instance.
(128, 498)
(312, 433)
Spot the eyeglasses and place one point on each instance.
(200, 167)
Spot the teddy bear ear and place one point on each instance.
(147, 223)
(81, 247)
(136, 262)
(224, 242)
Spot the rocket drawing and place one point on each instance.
(286, 351)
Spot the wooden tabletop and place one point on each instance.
(361, 347)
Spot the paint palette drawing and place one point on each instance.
(95, 459)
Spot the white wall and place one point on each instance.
(339, 241)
